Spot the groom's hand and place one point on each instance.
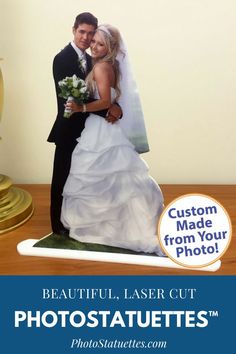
(114, 113)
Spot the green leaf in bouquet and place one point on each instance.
(75, 92)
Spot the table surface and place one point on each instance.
(11, 263)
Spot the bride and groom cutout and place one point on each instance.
(101, 190)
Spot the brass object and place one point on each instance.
(16, 205)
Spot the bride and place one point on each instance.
(109, 197)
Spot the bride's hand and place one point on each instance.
(73, 107)
(114, 114)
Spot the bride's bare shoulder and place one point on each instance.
(104, 71)
(103, 66)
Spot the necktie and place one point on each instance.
(83, 63)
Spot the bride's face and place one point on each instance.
(98, 47)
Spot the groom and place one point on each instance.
(71, 60)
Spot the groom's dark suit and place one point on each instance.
(65, 131)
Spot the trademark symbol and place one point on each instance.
(213, 313)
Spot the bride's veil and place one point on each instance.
(132, 121)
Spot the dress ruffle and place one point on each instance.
(109, 197)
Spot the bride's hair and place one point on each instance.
(112, 40)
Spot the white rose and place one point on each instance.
(83, 89)
(75, 81)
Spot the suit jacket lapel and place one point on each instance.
(81, 73)
(89, 63)
(76, 64)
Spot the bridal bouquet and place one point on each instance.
(73, 88)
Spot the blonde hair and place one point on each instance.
(111, 39)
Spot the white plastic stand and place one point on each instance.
(26, 248)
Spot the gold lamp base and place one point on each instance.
(16, 205)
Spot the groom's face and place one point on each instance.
(83, 35)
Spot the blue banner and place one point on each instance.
(66, 314)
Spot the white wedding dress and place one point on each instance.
(109, 197)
